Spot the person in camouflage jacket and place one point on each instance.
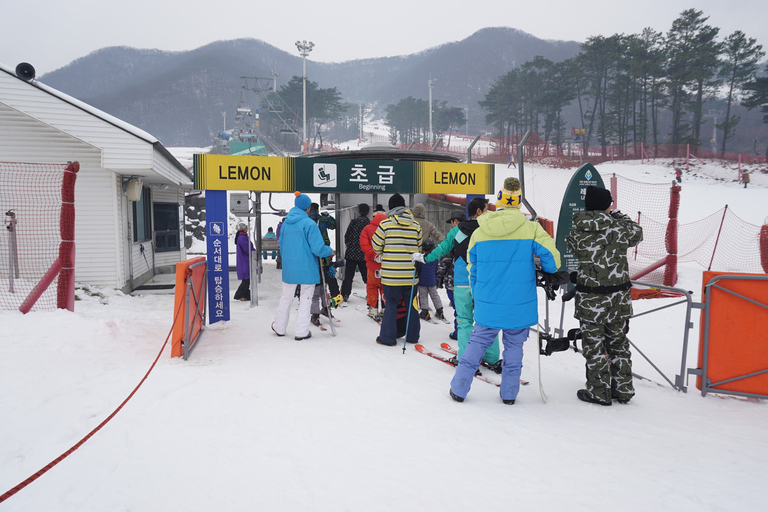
(599, 240)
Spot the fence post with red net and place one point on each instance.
(37, 197)
(670, 239)
(65, 292)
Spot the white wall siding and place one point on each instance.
(24, 139)
(97, 248)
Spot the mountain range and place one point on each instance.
(179, 97)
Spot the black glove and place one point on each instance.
(339, 263)
(554, 345)
(557, 279)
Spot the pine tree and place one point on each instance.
(742, 55)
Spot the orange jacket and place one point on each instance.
(365, 241)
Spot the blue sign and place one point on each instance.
(218, 255)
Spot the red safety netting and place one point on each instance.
(721, 241)
(37, 244)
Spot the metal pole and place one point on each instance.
(304, 48)
(521, 169)
(469, 149)
(304, 114)
(717, 240)
(408, 308)
(360, 123)
(13, 261)
(430, 83)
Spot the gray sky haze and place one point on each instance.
(50, 34)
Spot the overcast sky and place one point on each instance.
(50, 34)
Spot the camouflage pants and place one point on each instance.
(604, 323)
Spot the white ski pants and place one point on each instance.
(283, 313)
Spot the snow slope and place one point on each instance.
(256, 422)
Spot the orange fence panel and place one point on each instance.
(189, 305)
(733, 352)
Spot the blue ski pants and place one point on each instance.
(511, 366)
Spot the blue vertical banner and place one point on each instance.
(218, 255)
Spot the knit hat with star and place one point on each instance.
(510, 195)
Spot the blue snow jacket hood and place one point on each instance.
(301, 244)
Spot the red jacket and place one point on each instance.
(365, 241)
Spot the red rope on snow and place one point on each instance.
(64, 455)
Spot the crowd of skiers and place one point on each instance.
(488, 264)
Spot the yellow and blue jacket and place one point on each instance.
(502, 269)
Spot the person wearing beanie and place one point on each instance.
(374, 291)
(301, 244)
(302, 202)
(502, 278)
(396, 201)
(395, 239)
(354, 256)
(599, 240)
(455, 244)
(324, 221)
(510, 195)
(597, 198)
(243, 258)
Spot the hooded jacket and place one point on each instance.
(599, 240)
(243, 257)
(365, 241)
(301, 244)
(352, 238)
(502, 271)
(396, 238)
(428, 230)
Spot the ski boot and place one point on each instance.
(315, 319)
(424, 315)
(495, 367)
(334, 302)
(439, 314)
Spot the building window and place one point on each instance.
(167, 233)
(142, 217)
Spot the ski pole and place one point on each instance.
(408, 309)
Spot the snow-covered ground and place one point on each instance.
(256, 422)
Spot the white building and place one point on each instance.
(119, 243)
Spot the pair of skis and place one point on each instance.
(364, 309)
(451, 350)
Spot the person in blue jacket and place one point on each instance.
(301, 245)
(428, 284)
(269, 235)
(502, 276)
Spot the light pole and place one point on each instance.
(431, 83)
(360, 122)
(304, 48)
(225, 120)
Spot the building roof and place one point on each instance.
(100, 114)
